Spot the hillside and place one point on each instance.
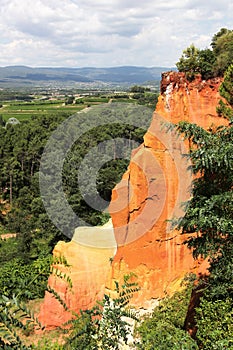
(27, 76)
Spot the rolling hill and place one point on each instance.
(27, 76)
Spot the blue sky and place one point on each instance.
(101, 33)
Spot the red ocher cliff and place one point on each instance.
(150, 193)
(158, 257)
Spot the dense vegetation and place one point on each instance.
(210, 219)
(26, 256)
(21, 147)
(208, 62)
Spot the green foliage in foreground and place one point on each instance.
(209, 218)
(102, 327)
(15, 317)
(27, 281)
(215, 326)
(165, 328)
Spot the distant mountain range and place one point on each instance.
(28, 76)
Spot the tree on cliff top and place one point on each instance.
(222, 44)
(189, 62)
(209, 63)
(226, 91)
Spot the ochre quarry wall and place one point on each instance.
(150, 193)
(147, 246)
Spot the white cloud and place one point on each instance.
(106, 33)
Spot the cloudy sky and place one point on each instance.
(101, 33)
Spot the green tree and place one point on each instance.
(164, 329)
(2, 121)
(226, 88)
(210, 212)
(209, 220)
(195, 61)
(70, 100)
(189, 62)
(226, 91)
(137, 88)
(214, 322)
(222, 44)
(208, 62)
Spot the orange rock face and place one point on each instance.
(155, 186)
(195, 102)
(151, 193)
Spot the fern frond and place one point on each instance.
(62, 275)
(60, 260)
(57, 296)
(7, 336)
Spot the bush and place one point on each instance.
(28, 281)
(163, 335)
(214, 322)
(165, 328)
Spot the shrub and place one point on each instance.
(214, 322)
(165, 328)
